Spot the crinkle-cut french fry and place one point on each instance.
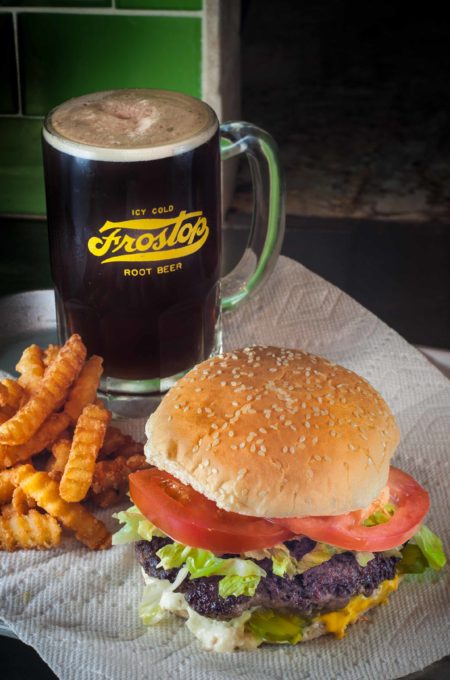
(107, 498)
(50, 354)
(60, 455)
(87, 440)
(114, 439)
(7, 485)
(33, 530)
(118, 444)
(113, 473)
(31, 368)
(88, 529)
(20, 502)
(84, 390)
(50, 430)
(52, 390)
(12, 394)
(6, 412)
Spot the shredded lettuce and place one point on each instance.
(363, 558)
(380, 516)
(238, 585)
(282, 562)
(150, 610)
(135, 527)
(322, 552)
(422, 557)
(413, 561)
(241, 577)
(431, 547)
(271, 626)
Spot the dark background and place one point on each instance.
(357, 96)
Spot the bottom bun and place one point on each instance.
(228, 636)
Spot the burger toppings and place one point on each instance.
(409, 503)
(283, 575)
(322, 588)
(190, 518)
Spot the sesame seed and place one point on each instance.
(230, 433)
(242, 445)
(292, 449)
(317, 458)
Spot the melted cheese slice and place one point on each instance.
(337, 622)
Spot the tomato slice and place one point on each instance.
(190, 518)
(347, 531)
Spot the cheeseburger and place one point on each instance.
(272, 512)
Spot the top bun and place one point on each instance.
(275, 432)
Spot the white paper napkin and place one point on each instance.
(78, 608)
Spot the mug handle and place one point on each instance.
(268, 219)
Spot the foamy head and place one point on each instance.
(126, 125)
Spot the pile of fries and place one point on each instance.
(58, 449)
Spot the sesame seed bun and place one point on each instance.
(274, 432)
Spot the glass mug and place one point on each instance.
(134, 219)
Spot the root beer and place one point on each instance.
(133, 207)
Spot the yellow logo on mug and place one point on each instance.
(160, 239)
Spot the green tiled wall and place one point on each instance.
(56, 3)
(160, 4)
(8, 82)
(129, 4)
(64, 54)
(118, 51)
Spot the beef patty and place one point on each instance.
(324, 588)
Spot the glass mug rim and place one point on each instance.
(123, 153)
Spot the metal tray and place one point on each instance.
(25, 318)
